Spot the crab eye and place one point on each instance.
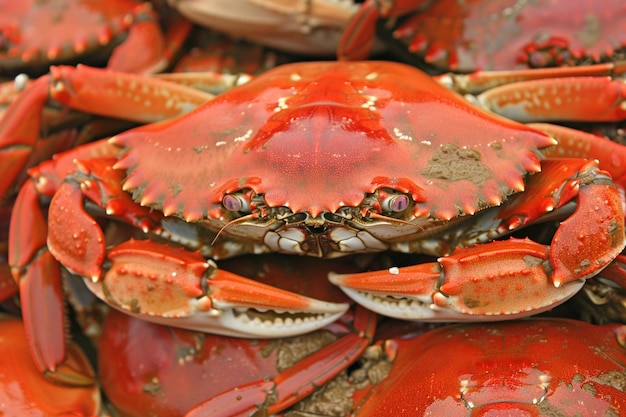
(236, 202)
(395, 203)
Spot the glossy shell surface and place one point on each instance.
(532, 367)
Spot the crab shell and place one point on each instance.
(538, 367)
(315, 138)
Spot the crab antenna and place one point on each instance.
(383, 217)
(232, 222)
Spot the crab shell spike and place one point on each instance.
(495, 200)
(288, 134)
(80, 44)
(54, 50)
(104, 35)
(167, 211)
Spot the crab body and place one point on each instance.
(373, 128)
(321, 159)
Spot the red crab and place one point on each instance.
(35, 34)
(492, 35)
(321, 159)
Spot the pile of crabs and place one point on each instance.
(312, 208)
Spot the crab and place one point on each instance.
(34, 35)
(302, 27)
(322, 159)
(474, 35)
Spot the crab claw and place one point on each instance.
(179, 288)
(406, 295)
(500, 280)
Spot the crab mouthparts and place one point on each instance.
(322, 239)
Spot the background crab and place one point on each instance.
(127, 34)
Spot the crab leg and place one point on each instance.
(8, 287)
(559, 99)
(170, 286)
(18, 138)
(39, 279)
(506, 279)
(547, 94)
(616, 271)
(146, 50)
(360, 32)
(496, 281)
(21, 124)
(37, 272)
(480, 81)
(273, 396)
(575, 143)
(224, 298)
(25, 391)
(146, 99)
